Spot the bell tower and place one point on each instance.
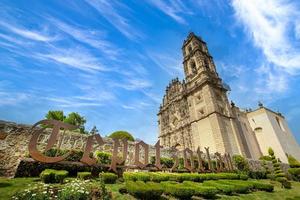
(211, 119)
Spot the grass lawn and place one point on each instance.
(9, 186)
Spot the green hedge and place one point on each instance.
(187, 189)
(141, 190)
(294, 171)
(53, 176)
(222, 188)
(84, 175)
(179, 177)
(103, 157)
(75, 155)
(200, 190)
(108, 177)
(293, 162)
(261, 186)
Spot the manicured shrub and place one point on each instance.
(47, 176)
(294, 171)
(261, 186)
(53, 176)
(243, 176)
(141, 190)
(240, 186)
(284, 182)
(103, 157)
(180, 177)
(241, 163)
(108, 177)
(136, 176)
(293, 162)
(226, 189)
(168, 162)
(75, 156)
(278, 173)
(257, 174)
(265, 158)
(84, 175)
(200, 190)
(158, 177)
(179, 191)
(60, 175)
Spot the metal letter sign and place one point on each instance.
(33, 151)
(223, 163)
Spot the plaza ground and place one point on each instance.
(9, 186)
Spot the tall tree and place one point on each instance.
(76, 119)
(56, 115)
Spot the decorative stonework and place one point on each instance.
(195, 112)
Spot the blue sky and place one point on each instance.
(111, 60)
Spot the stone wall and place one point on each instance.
(14, 139)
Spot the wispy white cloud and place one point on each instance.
(270, 25)
(110, 10)
(175, 9)
(94, 38)
(132, 84)
(78, 58)
(29, 34)
(167, 62)
(13, 98)
(136, 105)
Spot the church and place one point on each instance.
(196, 113)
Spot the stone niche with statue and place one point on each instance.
(22, 150)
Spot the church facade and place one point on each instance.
(196, 113)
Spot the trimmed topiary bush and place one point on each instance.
(293, 162)
(141, 190)
(200, 190)
(179, 191)
(103, 157)
(158, 177)
(84, 175)
(180, 177)
(241, 163)
(223, 188)
(108, 177)
(261, 174)
(53, 176)
(122, 135)
(295, 168)
(278, 173)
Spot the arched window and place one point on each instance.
(206, 65)
(190, 49)
(193, 67)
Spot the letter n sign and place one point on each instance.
(137, 154)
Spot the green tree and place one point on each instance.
(122, 135)
(56, 115)
(73, 118)
(77, 120)
(94, 131)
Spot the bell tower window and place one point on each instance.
(190, 49)
(206, 65)
(193, 67)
